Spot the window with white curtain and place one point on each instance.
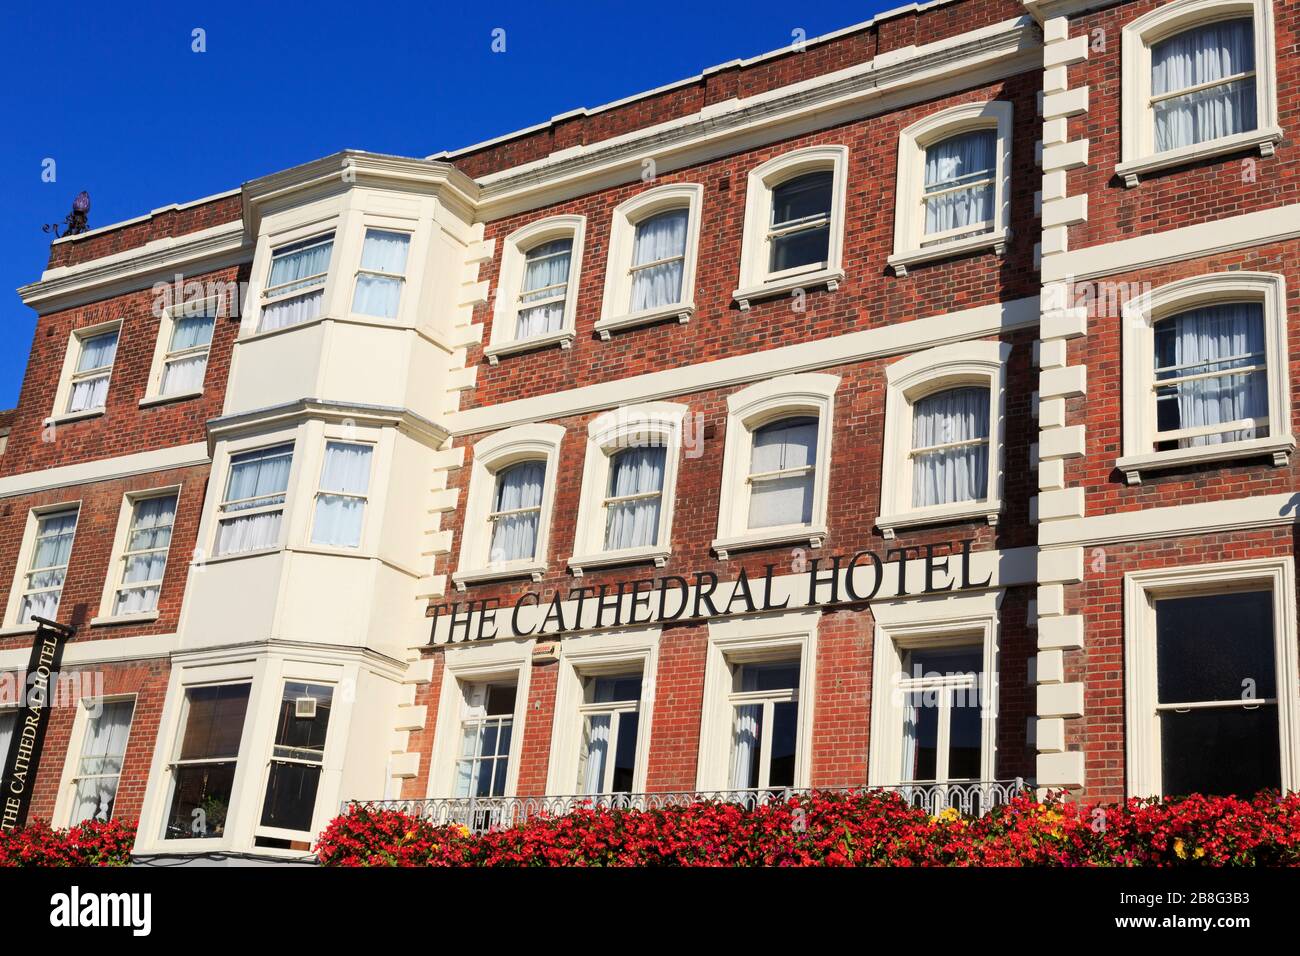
(486, 732)
(782, 472)
(1211, 376)
(1203, 84)
(942, 714)
(634, 497)
(295, 285)
(341, 499)
(765, 724)
(186, 360)
(297, 756)
(252, 507)
(8, 721)
(960, 186)
(144, 556)
(378, 290)
(799, 231)
(42, 584)
(658, 260)
(99, 767)
(90, 376)
(545, 289)
(610, 715)
(203, 764)
(516, 511)
(950, 447)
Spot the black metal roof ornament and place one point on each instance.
(76, 221)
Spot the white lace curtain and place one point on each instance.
(595, 753)
(341, 503)
(519, 496)
(97, 352)
(659, 238)
(7, 720)
(958, 473)
(257, 479)
(789, 445)
(546, 277)
(635, 523)
(100, 766)
(1206, 54)
(147, 543)
(293, 269)
(383, 264)
(185, 373)
(1213, 339)
(54, 534)
(954, 169)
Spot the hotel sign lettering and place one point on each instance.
(673, 598)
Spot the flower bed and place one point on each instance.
(859, 829)
(87, 844)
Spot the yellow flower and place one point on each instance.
(1180, 850)
(1200, 852)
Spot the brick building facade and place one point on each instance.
(851, 415)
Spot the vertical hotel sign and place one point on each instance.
(28, 739)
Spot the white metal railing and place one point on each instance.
(481, 814)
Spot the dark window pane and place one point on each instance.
(1219, 752)
(200, 801)
(932, 662)
(964, 737)
(803, 248)
(290, 796)
(623, 687)
(501, 699)
(1206, 647)
(785, 723)
(770, 676)
(215, 721)
(625, 752)
(303, 738)
(924, 749)
(802, 197)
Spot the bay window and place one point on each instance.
(610, 715)
(297, 756)
(203, 762)
(41, 586)
(144, 554)
(88, 385)
(379, 282)
(252, 507)
(295, 284)
(342, 495)
(99, 766)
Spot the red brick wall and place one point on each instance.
(88, 565)
(1182, 196)
(871, 296)
(161, 225)
(125, 427)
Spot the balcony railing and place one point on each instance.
(481, 814)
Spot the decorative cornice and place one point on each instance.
(301, 409)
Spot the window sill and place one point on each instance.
(563, 338)
(1133, 466)
(74, 416)
(811, 535)
(943, 514)
(530, 570)
(1265, 140)
(996, 240)
(830, 278)
(681, 311)
(18, 630)
(165, 399)
(145, 617)
(579, 563)
(238, 555)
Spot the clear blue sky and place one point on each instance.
(115, 96)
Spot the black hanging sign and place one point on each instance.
(33, 719)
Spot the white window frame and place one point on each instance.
(1140, 316)
(272, 689)
(219, 500)
(755, 640)
(69, 375)
(653, 423)
(365, 496)
(540, 442)
(65, 802)
(505, 311)
(163, 355)
(979, 363)
(305, 235)
(500, 662)
(117, 559)
(590, 655)
(909, 210)
(1138, 155)
(1142, 752)
(903, 625)
(615, 313)
(807, 393)
(403, 227)
(756, 280)
(16, 590)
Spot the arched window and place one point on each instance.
(782, 470)
(950, 447)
